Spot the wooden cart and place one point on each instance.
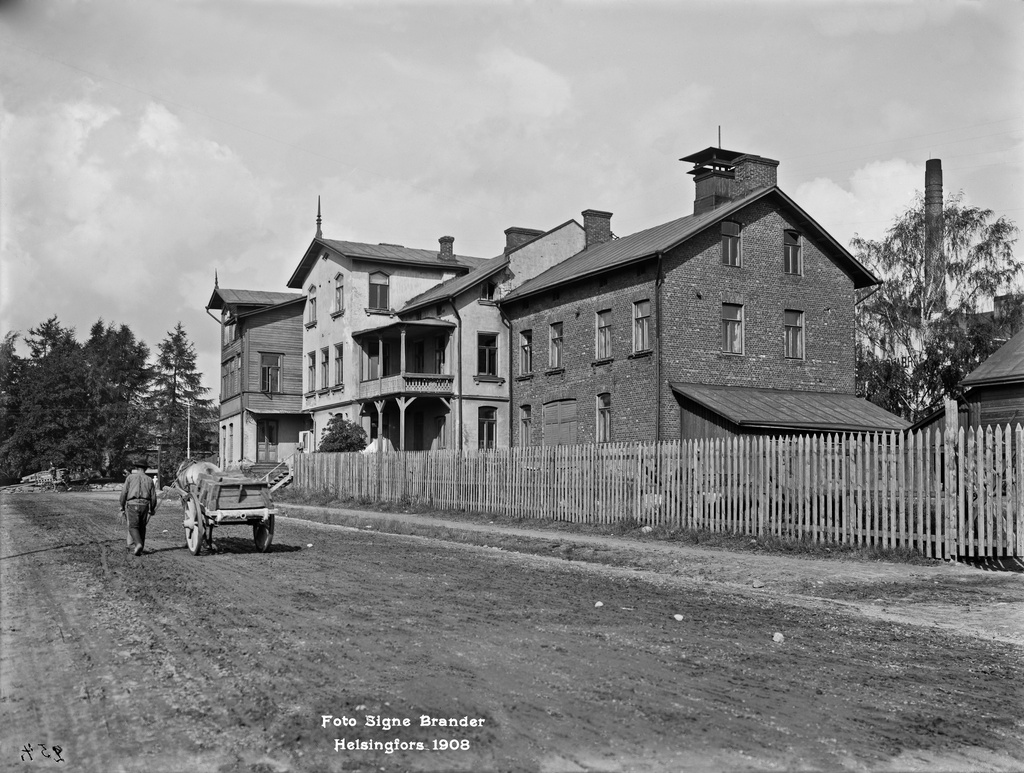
(219, 500)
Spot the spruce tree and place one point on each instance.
(183, 417)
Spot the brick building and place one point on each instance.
(735, 319)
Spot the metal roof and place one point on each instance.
(379, 253)
(1005, 366)
(452, 287)
(429, 324)
(789, 409)
(224, 297)
(660, 238)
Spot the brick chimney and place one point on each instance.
(934, 263)
(598, 227)
(515, 237)
(447, 253)
(721, 176)
(753, 172)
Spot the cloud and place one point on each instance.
(528, 88)
(872, 198)
(888, 17)
(120, 217)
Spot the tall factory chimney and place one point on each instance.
(934, 260)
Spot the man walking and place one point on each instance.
(138, 503)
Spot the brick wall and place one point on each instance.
(628, 377)
(697, 284)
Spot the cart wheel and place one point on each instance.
(193, 534)
(263, 534)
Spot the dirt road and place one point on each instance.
(230, 662)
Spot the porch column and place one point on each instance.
(401, 366)
(380, 363)
(403, 403)
(379, 405)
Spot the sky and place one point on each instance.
(147, 146)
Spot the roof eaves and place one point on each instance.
(432, 295)
(844, 253)
(301, 299)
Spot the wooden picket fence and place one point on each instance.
(941, 493)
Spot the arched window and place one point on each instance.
(379, 290)
(604, 418)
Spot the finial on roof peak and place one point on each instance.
(216, 281)
(319, 233)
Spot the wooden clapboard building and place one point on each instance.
(261, 417)
(992, 394)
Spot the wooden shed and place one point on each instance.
(994, 391)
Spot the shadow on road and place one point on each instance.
(62, 547)
(994, 563)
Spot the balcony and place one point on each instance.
(437, 384)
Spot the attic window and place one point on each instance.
(487, 290)
(792, 258)
(730, 244)
(311, 306)
(379, 282)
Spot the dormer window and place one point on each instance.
(311, 305)
(730, 244)
(379, 282)
(487, 290)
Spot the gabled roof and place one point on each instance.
(1005, 366)
(791, 409)
(488, 268)
(224, 297)
(661, 238)
(452, 287)
(379, 253)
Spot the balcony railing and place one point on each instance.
(407, 383)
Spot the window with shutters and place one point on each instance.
(560, 425)
(311, 372)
